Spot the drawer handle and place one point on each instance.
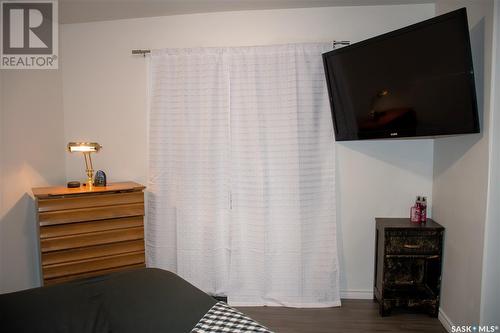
(412, 246)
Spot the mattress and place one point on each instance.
(143, 300)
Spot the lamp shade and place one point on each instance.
(83, 147)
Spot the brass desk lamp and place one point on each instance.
(86, 148)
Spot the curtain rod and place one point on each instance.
(145, 51)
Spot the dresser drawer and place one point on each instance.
(62, 279)
(90, 214)
(83, 266)
(89, 201)
(57, 257)
(92, 226)
(90, 239)
(401, 242)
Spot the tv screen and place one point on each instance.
(415, 81)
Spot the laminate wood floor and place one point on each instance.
(352, 316)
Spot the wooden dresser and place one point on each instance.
(89, 232)
(408, 260)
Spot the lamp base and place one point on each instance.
(90, 174)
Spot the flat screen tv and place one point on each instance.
(415, 81)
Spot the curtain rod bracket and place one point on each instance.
(141, 52)
(341, 43)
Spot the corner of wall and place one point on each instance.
(490, 293)
(461, 181)
(445, 321)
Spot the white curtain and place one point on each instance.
(242, 173)
(188, 199)
(283, 240)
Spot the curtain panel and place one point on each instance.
(242, 173)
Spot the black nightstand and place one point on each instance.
(407, 264)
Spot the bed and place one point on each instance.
(142, 300)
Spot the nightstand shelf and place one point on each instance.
(418, 291)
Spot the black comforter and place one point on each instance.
(140, 301)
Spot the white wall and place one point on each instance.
(490, 295)
(375, 179)
(31, 154)
(104, 93)
(461, 182)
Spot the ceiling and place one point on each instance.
(77, 11)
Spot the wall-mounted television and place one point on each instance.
(415, 81)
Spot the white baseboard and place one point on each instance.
(356, 294)
(445, 321)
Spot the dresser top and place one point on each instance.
(391, 222)
(47, 192)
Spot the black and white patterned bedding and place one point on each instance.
(223, 318)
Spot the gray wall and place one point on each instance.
(461, 182)
(490, 299)
(31, 154)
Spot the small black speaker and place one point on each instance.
(73, 184)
